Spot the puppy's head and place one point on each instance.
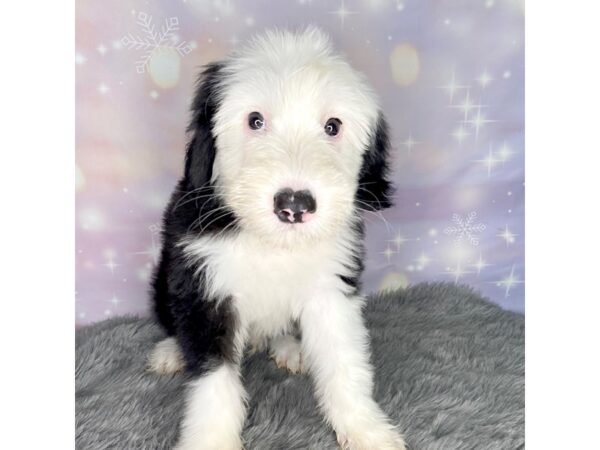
(290, 137)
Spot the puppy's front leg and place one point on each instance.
(335, 346)
(211, 345)
(215, 411)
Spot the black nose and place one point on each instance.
(294, 206)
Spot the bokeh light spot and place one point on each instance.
(91, 219)
(405, 64)
(393, 281)
(79, 179)
(164, 67)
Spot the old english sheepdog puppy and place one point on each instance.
(263, 237)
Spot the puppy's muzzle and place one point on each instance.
(294, 206)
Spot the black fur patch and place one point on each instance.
(374, 189)
(205, 332)
(200, 153)
(356, 266)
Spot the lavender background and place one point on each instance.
(451, 78)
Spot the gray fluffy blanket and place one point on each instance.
(449, 370)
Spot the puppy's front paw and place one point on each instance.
(286, 352)
(166, 357)
(381, 437)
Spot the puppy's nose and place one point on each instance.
(294, 206)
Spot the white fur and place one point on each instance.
(275, 272)
(287, 353)
(166, 357)
(270, 285)
(297, 83)
(215, 411)
(335, 348)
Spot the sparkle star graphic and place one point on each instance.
(507, 235)
(399, 240)
(480, 264)
(114, 300)
(111, 265)
(489, 162)
(422, 261)
(409, 143)
(466, 106)
(509, 281)
(342, 13)
(478, 121)
(457, 272)
(388, 253)
(460, 134)
(103, 88)
(153, 252)
(504, 153)
(452, 87)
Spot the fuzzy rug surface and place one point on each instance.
(449, 370)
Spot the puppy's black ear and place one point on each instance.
(374, 189)
(200, 151)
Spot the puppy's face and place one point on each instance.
(295, 128)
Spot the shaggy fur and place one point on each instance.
(264, 233)
(449, 368)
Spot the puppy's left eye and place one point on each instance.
(333, 126)
(256, 120)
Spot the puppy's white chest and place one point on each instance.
(269, 286)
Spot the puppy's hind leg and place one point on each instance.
(166, 357)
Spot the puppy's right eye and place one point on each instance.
(255, 120)
(332, 127)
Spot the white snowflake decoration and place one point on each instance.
(152, 40)
(465, 228)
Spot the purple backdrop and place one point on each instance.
(450, 75)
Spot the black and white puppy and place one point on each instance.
(264, 232)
